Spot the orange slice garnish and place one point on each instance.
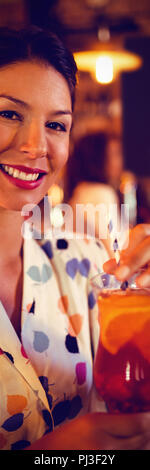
(123, 316)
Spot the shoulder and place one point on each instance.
(105, 192)
(94, 192)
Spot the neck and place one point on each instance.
(10, 236)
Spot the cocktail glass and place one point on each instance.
(122, 362)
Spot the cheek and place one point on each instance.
(60, 154)
(6, 137)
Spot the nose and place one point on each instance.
(33, 140)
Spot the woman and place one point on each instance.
(45, 327)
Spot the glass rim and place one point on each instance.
(115, 284)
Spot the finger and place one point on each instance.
(136, 235)
(110, 266)
(121, 431)
(137, 442)
(144, 279)
(123, 425)
(138, 258)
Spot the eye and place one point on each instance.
(11, 115)
(56, 126)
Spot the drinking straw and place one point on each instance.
(115, 248)
(113, 242)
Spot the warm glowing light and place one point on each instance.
(122, 60)
(56, 194)
(104, 69)
(127, 371)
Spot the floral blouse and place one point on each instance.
(46, 378)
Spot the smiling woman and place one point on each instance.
(48, 315)
(34, 130)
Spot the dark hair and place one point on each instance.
(87, 162)
(35, 43)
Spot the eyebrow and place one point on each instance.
(26, 105)
(57, 113)
(15, 100)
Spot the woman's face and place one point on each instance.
(35, 122)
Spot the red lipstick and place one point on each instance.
(26, 169)
(24, 184)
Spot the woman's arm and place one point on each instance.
(99, 431)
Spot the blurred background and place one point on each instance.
(113, 94)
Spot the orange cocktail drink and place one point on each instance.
(122, 363)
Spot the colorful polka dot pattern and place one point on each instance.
(47, 378)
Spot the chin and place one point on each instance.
(19, 205)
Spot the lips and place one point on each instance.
(22, 176)
(26, 169)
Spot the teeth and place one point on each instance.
(15, 173)
(21, 175)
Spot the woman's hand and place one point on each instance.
(136, 256)
(99, 431)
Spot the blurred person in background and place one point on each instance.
(114, 162)
(93, 177)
